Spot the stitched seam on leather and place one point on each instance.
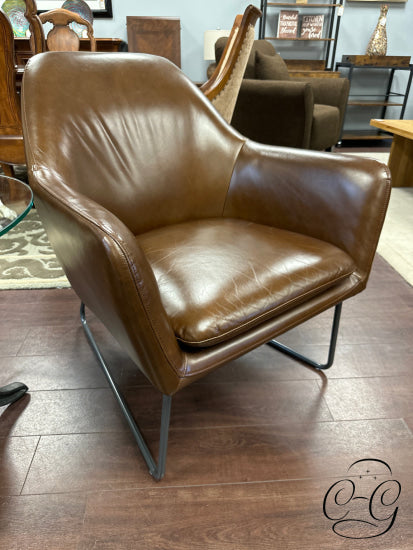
(383, 211)
(255, 320)
(292, 324)
(232, 175)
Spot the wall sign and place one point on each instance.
(100, 8)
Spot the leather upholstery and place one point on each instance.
(192, 244)
(212, 293)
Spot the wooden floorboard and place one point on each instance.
(254, 447)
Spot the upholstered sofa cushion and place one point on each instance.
(261, 46)
(221, 277)
(270, 67)
(326, 125)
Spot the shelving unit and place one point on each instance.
(332, 13)
(389, 98)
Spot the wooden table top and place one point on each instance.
(399, 127)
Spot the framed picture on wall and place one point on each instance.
(100, 8)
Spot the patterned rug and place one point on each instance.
(26, 258)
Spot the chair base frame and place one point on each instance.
(331, 351)
(157, 470)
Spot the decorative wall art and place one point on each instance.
(287, 24)
(357, 1)
(312, 26)
(14, 9)
(100, 8)
(81, 8)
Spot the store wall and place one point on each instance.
(357, 24)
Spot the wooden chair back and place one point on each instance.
(37, 39)
(11, 134)
(223, 86)
(62, 38)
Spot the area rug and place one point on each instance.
(27, 259)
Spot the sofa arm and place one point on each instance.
(111, 275)
(340, 199)
(275, 112)
(328, 91)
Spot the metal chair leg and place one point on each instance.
(157, 470)
(331, 352)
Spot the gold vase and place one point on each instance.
(378, 42)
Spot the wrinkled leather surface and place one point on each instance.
(122, 149)
(218, 278)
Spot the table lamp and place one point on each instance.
(210, 37)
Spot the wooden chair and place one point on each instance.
(37, 39)
(223, 86)
(62, 38)
(11, 134)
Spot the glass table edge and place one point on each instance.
(20, 216)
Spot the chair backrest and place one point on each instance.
(11, 136)
(10, 123)
(61, 38)
(133, 125)
(223, 86)
(262, 46)
(37, 39)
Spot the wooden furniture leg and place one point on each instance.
(8, 170)
(401, 161)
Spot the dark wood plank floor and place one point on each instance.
(253, 448)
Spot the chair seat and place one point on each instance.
(325, 126)
(207, 272)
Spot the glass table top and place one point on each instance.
(16, 200)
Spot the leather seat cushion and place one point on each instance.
(221, 277)
(325, 127)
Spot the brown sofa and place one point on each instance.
(276, 109)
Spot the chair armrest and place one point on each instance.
(340, 199)
(275, 112)
(111, 275)
(328, 91)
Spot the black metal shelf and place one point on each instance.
(299, 38)
(355, 135)
(296, 4)
(374, 104)
(370, 102)
(332, 26)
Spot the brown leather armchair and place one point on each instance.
(277, 109)
(192, 244)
